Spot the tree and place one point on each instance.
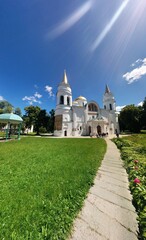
(51, 120)
(143, 117)
(31, 116)
(8, 109)
(39, 119)
(5, 107)
(18, 111)
(42, 122)
(130, 119)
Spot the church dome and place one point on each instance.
(81, 98)
(75, 103)
(81, 101)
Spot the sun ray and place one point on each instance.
(71, 20)
(109, 26)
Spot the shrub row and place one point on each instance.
(134, 157)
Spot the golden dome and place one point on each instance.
(80, 98)
(75, 102)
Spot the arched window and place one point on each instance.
(110, 106)
(68, 100)
(92, 107)
(61, 99)
(99, 130)
(104, 107)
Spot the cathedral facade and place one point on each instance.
(82, 117)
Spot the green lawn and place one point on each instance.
(2, 134)
(43, 183)
(138, 138)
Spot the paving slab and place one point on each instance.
(108, 213)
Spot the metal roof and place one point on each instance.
(10, 117)
(81, 98)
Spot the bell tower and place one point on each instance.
(109, 100)
(63, 107)
(64, 94)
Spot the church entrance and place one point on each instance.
(99, 130)
(65, 133)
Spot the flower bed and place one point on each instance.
(134, 156)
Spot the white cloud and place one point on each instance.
(37, 95)
(144, 60)
(136, 73)
(33, 99)
(140, 104)
(136, 62)
(1, 98)
(49, 90)
(119, 108)
(71, 20)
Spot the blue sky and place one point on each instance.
(97, 42)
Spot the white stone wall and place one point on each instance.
(79, 121)
(112, 120)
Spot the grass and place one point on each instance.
(133, 152)
(2, 134)
(138, 138)
(43, 183)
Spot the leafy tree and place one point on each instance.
(51, 120)
(5, 107)
(38, 117)
(42, 122)
(31, 116)
(8, 109)
(130, 118)
(42, 130)
(18, 111)
(4, 104)
(143, 118)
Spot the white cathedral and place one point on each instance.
(82, 117)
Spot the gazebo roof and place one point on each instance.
(10, 117)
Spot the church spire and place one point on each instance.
(108, 99)
(65, 78)
(107, 90)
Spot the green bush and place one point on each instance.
(42, 130)
(134, 155)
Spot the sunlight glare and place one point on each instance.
(71, 20)
(109, 26)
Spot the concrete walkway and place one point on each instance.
(108, 213)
